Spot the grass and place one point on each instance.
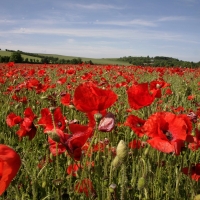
(100, 61)
(8, 53)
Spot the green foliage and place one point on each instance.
(16, 57)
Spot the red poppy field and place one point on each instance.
(101, 132)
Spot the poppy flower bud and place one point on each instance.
(116, 162)
(192, 116)
(16, 106)
(112, 188)
(54, 136)
(141, 183)
(122, 150)
(107, 123)
(44, 184)
(71, 106)
(197, 197)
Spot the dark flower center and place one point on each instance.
(138, 125)
(168, 135)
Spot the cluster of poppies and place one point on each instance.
(165, 131)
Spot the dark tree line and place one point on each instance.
(159, 61)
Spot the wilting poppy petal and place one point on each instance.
(9, 165)
(107, 123)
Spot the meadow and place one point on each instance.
(99, 132)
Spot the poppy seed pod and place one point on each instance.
(122, 150)
(97, 117)
(54, 136)
(107, 123)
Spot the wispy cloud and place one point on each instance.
(95, 6)
(139, 22)
(97, 33)
(6, 21)
(172, 18)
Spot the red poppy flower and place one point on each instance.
(47, 121)
(155, 87)
(78, 139)
(85, 186)
(139, 96)
(88, 98)
(32, 83)
(168, 91)
(195, 145)
(71, 142)
(65, 99)
(62, 80)
(167, 131)
(193, 171)
(56, 148)
(72, 169)
(191, 97)
(9, 165)
(136, 124)
(41, 72)
(10, 64)
(135, 144)
(27, 127)
(12, 119)
(71, 71)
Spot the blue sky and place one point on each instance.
(102, 29)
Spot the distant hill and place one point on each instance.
(54, 58)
